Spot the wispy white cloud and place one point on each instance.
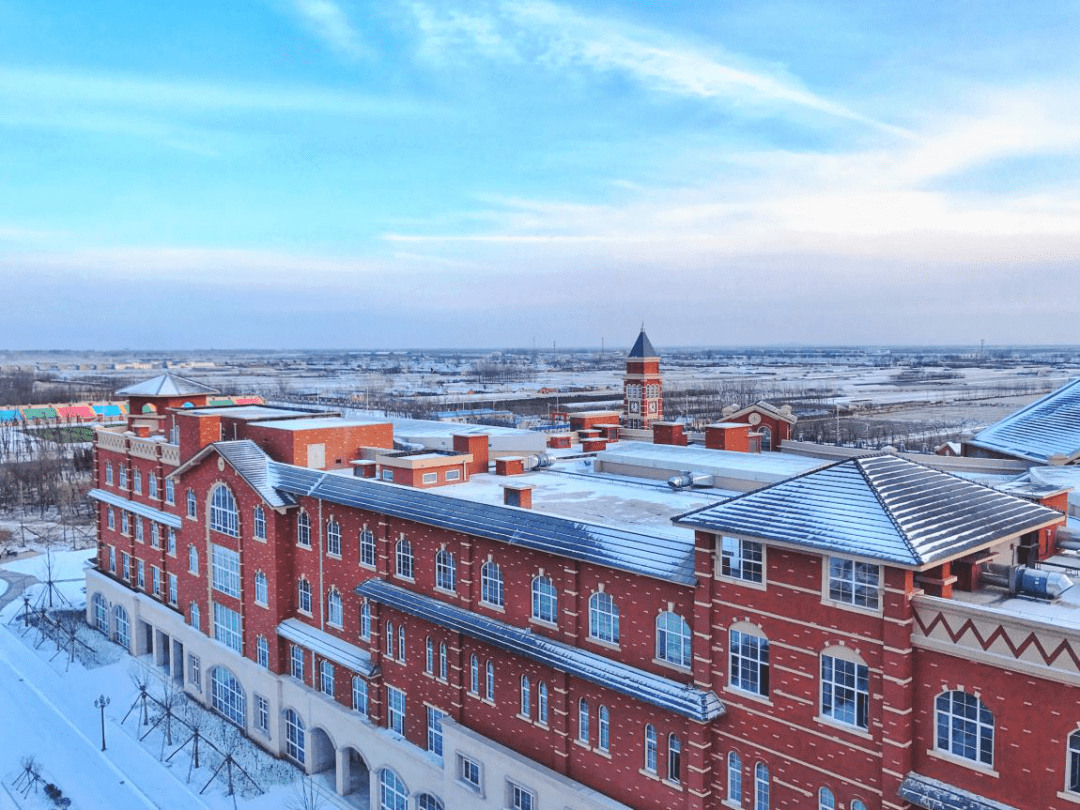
(328, 21)
(556, 36)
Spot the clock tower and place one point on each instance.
(643, 393)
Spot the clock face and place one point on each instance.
(633, 407)
(652, 407)
(755, 418)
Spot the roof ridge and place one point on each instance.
(886, 508)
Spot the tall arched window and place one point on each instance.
(121, 627)
(672, 639)
(335, 613)
(151, 485)
(489, 681)
(491, 584)
(389, 639)
(856, 804)
(545, 599)
(429, 656)
(404, 558)
(262, 652)
(223, 515)
(442, 661)
(445, 570)
(603, 618)
(100, 613)
(227, 695)
(333, 538)
(749, 661)
(367, 548)
(425, 801)
(195, 621)
(393, 795)
(674, 758)
(965, 727)
(734, 778)
(401, 642)
(603, 729)
(761, 786)
(650, 748)
(826, 800)
(303, 530)
(365, 619)
(262, 590)
(845, 688)
(303, 596)
(583, 720)
(474, 675)
(258, 523)
(526, 697)
(542, 703)
(295, 738)
(766, 438)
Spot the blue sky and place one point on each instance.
(336, 173)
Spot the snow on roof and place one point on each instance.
(766, 468)
(320, 423)
(657, 555)
(697, 704)
(882, 507)
(166, 385)
(409, 428)
(1047, 427)
(927, 792)
(250, 412)
(137, 508)
(250, 463)
(768, 408)
(643, 347)
(337, 650)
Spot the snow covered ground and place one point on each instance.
(47, 711)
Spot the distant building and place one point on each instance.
(771, 423)
(643, 390)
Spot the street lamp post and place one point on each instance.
(101, 703)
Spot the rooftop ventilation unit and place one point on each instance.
(688, 480)
(1034, 582)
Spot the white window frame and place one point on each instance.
(492, 588)
(367, 547)
(470, 773)
(545, 600)
(740, 560)
(748, 661)
(853, 583)
(258, 523)
(228, 627)
(674, 643)
(845, 691)
(225, 570)
(333, 538)
(395, 709)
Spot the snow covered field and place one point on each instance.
(47, 711)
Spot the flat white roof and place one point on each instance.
(761, 467)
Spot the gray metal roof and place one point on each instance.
(1044, 428)
(137, 508)
(659, 691)
(935, 795)
(166, 385)
(662, 557)
(337, 650)
(643, 347)
(252, 464)
(882, 507)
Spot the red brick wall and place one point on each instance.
(342, 443)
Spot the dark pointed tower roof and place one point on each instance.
(642, 347)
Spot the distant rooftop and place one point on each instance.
(765, 468)
(253, 413)
(320, 422)
(1047, 427)
(166, 385)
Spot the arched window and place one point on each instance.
(603, 618)
(672, 639)
(526, 697)
(1072, 761)
(425, 801)
(326, 678)
(489, 681)
(761, 786)
(136, 481)
(404, 558)
(367, 548)
(445, 570)
(262, 590)
(227, 695)
(100, 613)
(674, 758)
(108, 473)
(965, 727)
(826, 800)
(170, 490)
(333, 538)
(365, 619)
(429, 656)
(195, 616)
(152, 485)
(303, 530)
(603, 729)
(223, 512)
(491, 584)
(258, 523)
(442, 661)
(749, 662)
(401, 642)
(334, 612)
(359, 695)
(474, 675)
(294, 736)
(583, 721)
(545, 599)
(389, 639)
(193, 560)
(650, 748)
(393, 795)
(303, 596)
(192, 501)
(845, 688)
(262, 652)
(542, 703)
(856, 804)
(122, 627)
(734, 778)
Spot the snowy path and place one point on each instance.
(52, 717)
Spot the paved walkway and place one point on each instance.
(17, 583)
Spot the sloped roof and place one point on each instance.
(927, 792)
(141, 509)
(328, 646)
(881, 506)
(642, 347)
(166, 385)
(250, 463)
(657, 690)
(764, 407)
(1044, 428)
(658, 556)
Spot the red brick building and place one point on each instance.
(643, 388)
(855, 637)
